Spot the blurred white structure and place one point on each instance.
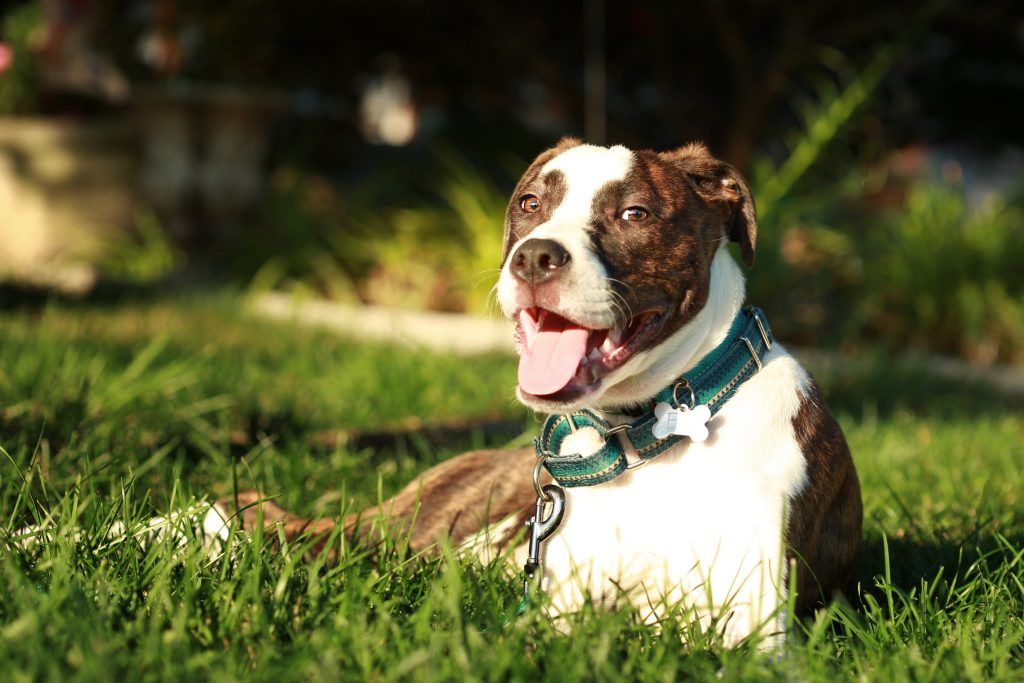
(387, 114)
(64, 189)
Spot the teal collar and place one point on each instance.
(699, 394)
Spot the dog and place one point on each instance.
(723, 487)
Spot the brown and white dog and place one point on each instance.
(615, 266)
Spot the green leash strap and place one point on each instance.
(713, 381)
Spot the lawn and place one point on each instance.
(117, 411)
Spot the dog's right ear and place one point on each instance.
(564, 144)
(733, 188)
(716, 181)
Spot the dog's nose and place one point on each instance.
(537, 260)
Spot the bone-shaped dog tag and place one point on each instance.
(682, 421)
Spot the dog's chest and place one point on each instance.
(703, 523)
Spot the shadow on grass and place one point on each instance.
(25, 296)
(915, 560)
(875, 383)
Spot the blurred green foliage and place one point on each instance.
(946, 276)
(933, 273)
(443, 253)
(850, 254)
(434, 247)
(825, 118)
(305, 243)
(19, 86)
(141, 255)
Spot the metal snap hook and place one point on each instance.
(541, 527)
(545, 527)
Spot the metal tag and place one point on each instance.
(681, 421)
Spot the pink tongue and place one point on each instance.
(551, 360)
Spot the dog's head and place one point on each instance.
(607, 254)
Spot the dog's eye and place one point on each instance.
(635, 213)
(530, 203)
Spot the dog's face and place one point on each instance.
(607, 254)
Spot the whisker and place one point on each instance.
(620, 282)
(623, 303)
(491, 306)
(492, 292)
(617, 307)
(623, 306)
(483, 274)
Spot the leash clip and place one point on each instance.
(541, 527)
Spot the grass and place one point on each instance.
(116, 412)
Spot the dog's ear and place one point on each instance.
(717, 181)
(565, 142)
(544, 157)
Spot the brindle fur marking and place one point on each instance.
(454, 500)
(826, 516)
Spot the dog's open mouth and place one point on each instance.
(560, 360)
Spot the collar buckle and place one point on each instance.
(753, 353)
(619, 429)
(762, 330)
(615, 430)
(765, 337)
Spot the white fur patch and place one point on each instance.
(583, 441)
(207, 521)
(704, 523)
(486, 543)
(585, 296)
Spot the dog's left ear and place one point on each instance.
(717, 181)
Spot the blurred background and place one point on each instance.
(364, 152)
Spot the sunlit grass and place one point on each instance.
(117, 413)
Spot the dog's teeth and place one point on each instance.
(610, 343)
